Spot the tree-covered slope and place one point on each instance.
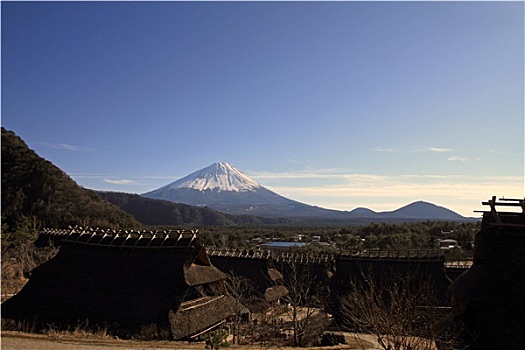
(160, 212)
(36, 193)
(166, 213)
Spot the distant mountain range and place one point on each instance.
(218, 195)
(417, 210)
(223, 187)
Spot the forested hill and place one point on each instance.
(36, 194)
(165, 213)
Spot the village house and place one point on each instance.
(125, 281)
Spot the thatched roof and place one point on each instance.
(195, 275)
(275, 275)
(203, 313)
(258, 269)
(414, 270)
(469, 285)
(275, 293)
(430, 270)
(313, 270)
(489, 296)
(116, 280)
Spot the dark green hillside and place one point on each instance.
(159, 212)
(37, 194)
(165, 213)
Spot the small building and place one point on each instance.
(448, 244)
(256, 240)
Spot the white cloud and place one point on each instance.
(379, 149)
(417, 150)
(393, 188)
(437, 149)
(461, 193)
(66, 147)
(120, 182)
(457, 159)
(495, 151)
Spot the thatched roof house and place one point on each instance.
(488, 299)
(313, 271)
(384, 267)
(275, 276)
(125, 280)
(258, 268)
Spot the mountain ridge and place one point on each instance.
(415, 210)
(166, 213)
(222, 187)
(35, 189)
(36, 193)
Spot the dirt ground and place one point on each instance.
(25, 341)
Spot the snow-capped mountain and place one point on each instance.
(223, 187)
(217, 177)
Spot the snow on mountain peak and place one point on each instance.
(218, 176)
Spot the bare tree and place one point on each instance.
(244, 291)
(17, 260)
(306, 303)
(401, 312)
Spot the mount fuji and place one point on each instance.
(223, 187)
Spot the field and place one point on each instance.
(26, 341)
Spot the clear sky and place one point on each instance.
(335, 104)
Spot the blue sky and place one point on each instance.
(338, 104)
